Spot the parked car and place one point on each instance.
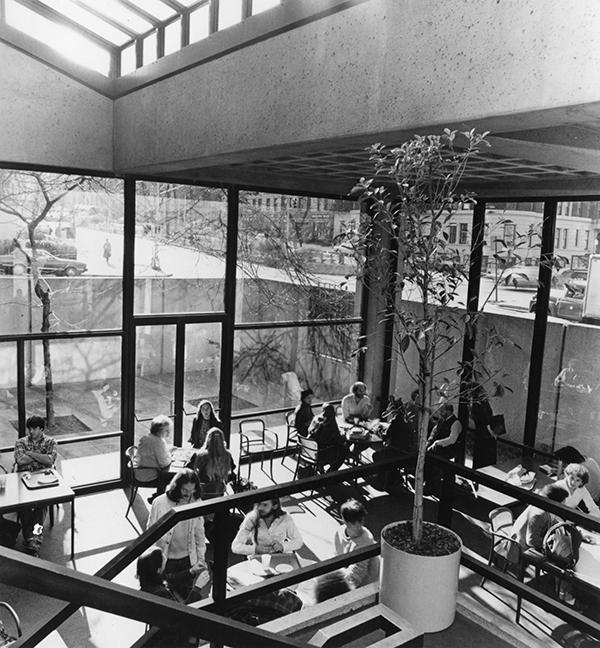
(47, 263)
(570, 305)
(55, 246)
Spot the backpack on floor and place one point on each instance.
(561, 544)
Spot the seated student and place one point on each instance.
(356, 406)
(150, 573)
(530, 527)
(152, 458)
(574, 481)
(332, 444)
(267, 529)
(213, 465)
(568, 455)
(303, 414)
(204, 420)
(352, 535)
(184, 546)
(35, 451)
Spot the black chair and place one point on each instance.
(291, 433)
(254, 442)
(5, 637)
(134, 482)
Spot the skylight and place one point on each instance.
(64, 40)
(118, 36)
(88, 20)
(116, 11)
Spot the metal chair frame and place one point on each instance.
(255, 442)
(135, 483)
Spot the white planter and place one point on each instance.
(421, 589)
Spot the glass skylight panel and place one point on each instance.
(199, 25)
(173, 37)
(128, 59)
(230, 13)
(64, 40)
(158, 9)
(150, 43)
(88, 20)
(258, 6)
(116, 11)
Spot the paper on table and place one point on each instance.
(202, 579)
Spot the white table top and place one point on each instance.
(588, 565)
(16, 495)
(250, 572)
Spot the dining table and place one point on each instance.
(536, 480)
(180, 457)
(361, 435)
(252, 570)
(22, 490)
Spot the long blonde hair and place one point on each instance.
(218, 465)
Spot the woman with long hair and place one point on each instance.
(204, 420)
(213, 464)
(267, 529)
(184, 545)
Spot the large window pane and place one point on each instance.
(202, 369)
(82, 380)
(272, 365)
(508, 288)
(180, 248)
(154, 375)
(230, 13)
(289, 267)
(8, 396)
(61, 252)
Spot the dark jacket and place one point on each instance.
(303, 417)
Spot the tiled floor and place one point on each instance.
(102, 531)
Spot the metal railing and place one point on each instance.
(221, 602)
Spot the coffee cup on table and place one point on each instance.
(265, 560)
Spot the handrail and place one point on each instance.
(63, 583)
(220, 506)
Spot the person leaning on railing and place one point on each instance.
(184, 545)
(35, 451)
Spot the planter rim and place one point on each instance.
(421, 556)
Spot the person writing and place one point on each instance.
(267, 529)
(356, 406)
(303, 414)
(35, 451)
(152, 458)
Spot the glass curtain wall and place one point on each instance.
(61, 260)
(296, 303)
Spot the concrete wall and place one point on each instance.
(379, 67)
(46, 118)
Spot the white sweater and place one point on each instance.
(194, 529)
(282, 530)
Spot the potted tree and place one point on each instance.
(404, 250)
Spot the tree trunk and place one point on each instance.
(44, 296)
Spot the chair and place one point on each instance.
(291, 433)
(254, 442)
(133, 481)
(5, 638)
(501, 523)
